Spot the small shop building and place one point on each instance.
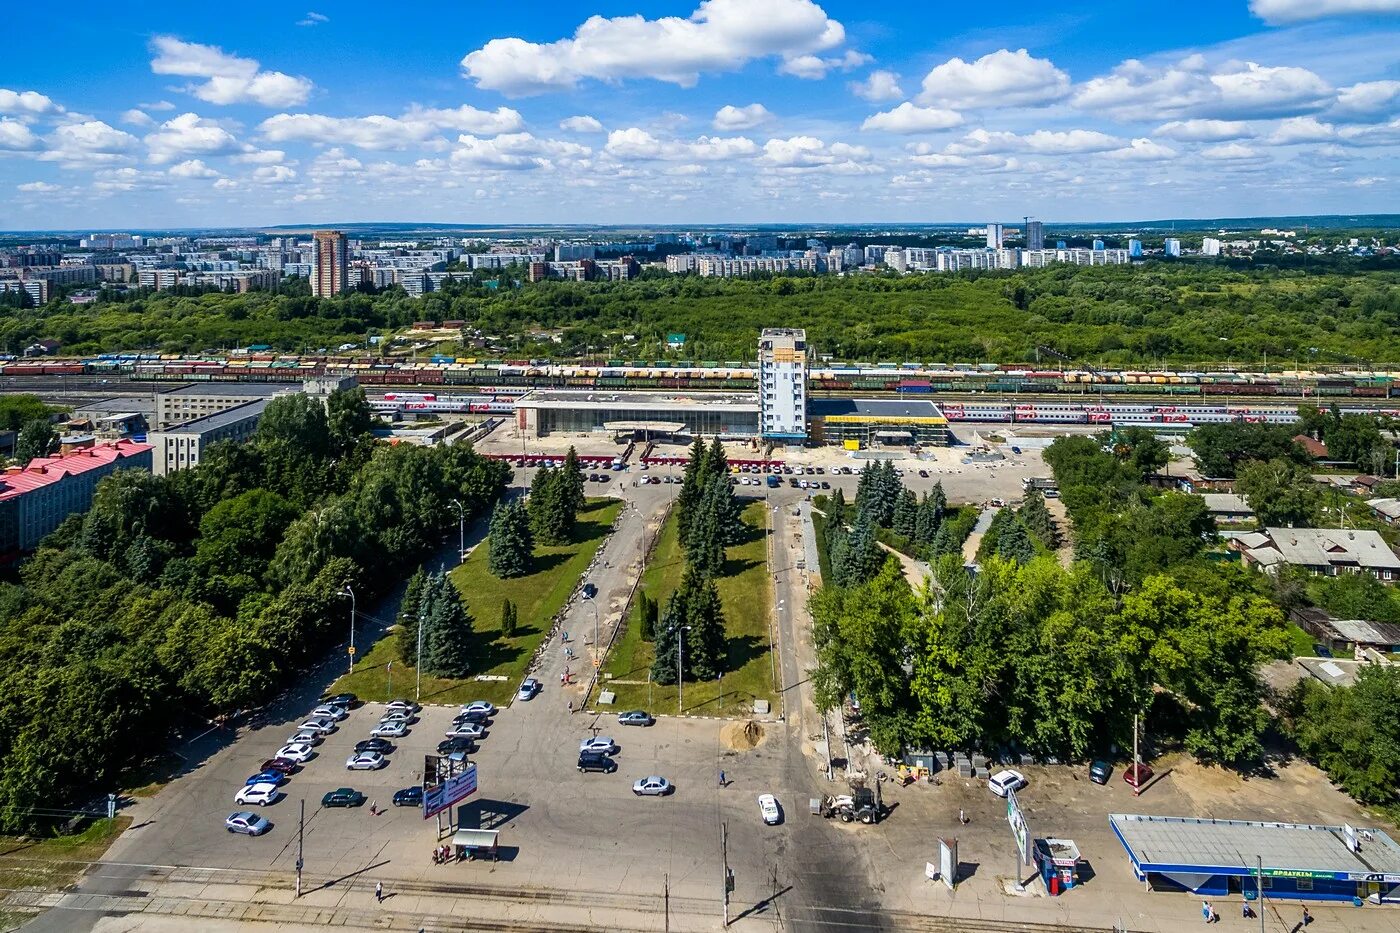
(1288, 860)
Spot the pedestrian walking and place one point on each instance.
(1307, 918)
(379, 892)
(1245, 912)
(1205, 911)
(721, 779)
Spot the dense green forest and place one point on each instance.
(200, 593)
(1174, 312)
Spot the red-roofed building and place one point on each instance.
(1315, 448)
(34, 500)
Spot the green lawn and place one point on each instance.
(745, 591)
(51, 864)
(537, 598)
(1300, 643)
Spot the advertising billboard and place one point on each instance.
(445, 783)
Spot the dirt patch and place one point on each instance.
(742, 736)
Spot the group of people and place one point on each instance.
(1210, 916)
(443, 854)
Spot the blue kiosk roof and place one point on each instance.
(1175, 844)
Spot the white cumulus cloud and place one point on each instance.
(730, 117)
(999, 79)
(513, 152)
(878, 86)
(86, 143)
(314, 19)
(907, 118)
(1044, 142)
(1230, 152)
(15, 136)
(1293, 11)
(1204, 130)
(581, 124)
(192, 168)
(38, 187)
(815, 67)
(1193, 88)
(721, 35)
(136, 117)
(1367, 99)
(1301, 130)
(417, 125)
(26, 102)
(229, 79)
(636, 144)
(1142, 150)
(190, 134)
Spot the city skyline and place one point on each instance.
(721, 111)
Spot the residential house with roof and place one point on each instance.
(1325, 551)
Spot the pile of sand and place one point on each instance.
(742, 736)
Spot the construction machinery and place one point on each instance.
(861, 804)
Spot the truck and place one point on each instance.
(860, 804)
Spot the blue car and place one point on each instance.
(266, 777)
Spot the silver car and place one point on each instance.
(366, 761)
(391, 729)
(654, 786)
(320, 725)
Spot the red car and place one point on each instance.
(1137, 775)
(280, 765)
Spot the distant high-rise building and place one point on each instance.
(1171, 247)
(1135, 249)
(1210, 246)
(331, 272)
(782, 383)
(1098, 244)
(1035, 235)
(994, 236)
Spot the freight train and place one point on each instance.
(500, 377)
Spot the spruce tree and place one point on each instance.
(906, 514)
(573, 485)
(939, 499)
(836, 508)
(668, 632)
(704, 549)
(1014, 543)
(692, 486)
(705, 644)
(510, 542)
(865, 486)
(550, 518)
(1036, 517)
(925, 522)
(716, 463)
(1000, 522)
(447, 633)
(508, 619)
(647, 611)
(407, 637)
(863, 554)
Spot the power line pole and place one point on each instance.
(666, 900)
(728, 876)
(301, 834)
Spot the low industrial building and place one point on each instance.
(1218, 858)
(562, 411)
(180, 446)
(1347, 637)
(34, 500)
(878, 422)
(1227, 507)
(202, 399)
(1326, 552)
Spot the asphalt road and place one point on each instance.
(561, 831)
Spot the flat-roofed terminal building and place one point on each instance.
(564, 411)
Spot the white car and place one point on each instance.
(330, 711)
(320, 725)
(480, 706)
(259, 794)
(366, 761)
(1005, 781)
(306, 737)
(654, 786)
(600, 744)
(296, 751)
(398, 715)
(528, 688)
(247, 823)
(391, 729)
(466, 730)
(768, 808)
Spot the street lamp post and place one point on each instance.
(347, 591)
(418, 665)
(680, 667)
(594, 604)
(461, 531)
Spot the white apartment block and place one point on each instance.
(782, 384)
(749, 265)
(1210, 246)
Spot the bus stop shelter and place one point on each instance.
(475, 843)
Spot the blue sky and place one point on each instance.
(721, 111)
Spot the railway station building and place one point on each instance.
(571, 411)
(1283, 860)
(878, 422)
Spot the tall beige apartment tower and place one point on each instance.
(330, 275)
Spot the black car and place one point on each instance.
(596, 761)
(343, 797)
(409, 797)
(346, 700)
(471, 715)
(460, 744)
(589, 591)
(382, 746)
(1101, 771)
(924, 473)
